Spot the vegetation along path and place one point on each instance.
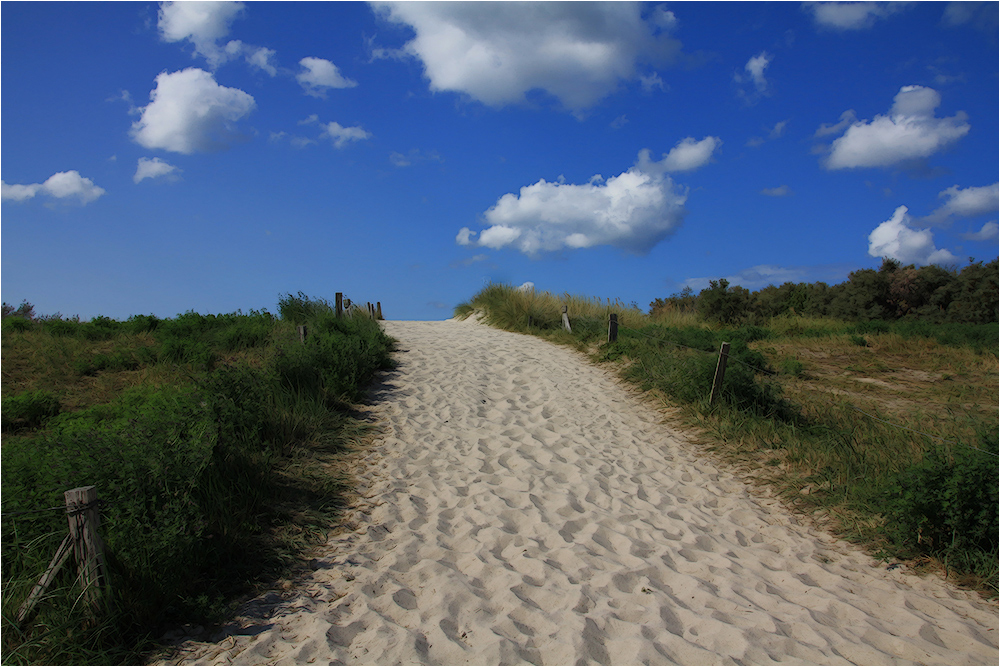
(525, 507)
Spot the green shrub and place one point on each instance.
(61, 327)
(29, 409)
(792, 367)
(17, 324)
(947, 504)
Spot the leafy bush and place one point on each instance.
(947, 504)
(18, 325)
(206, 486)
(29, 409)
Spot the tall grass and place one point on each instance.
(899, 492)
(217, 452)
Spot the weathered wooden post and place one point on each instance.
(612, 327)
(371, 310)
(720, 372)
(378, 310)
(340, 304)
(566, 320)
(62, 554)
(302, 333)
(84, 520)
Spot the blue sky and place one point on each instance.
(165, 157)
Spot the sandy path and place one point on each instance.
(524, 508)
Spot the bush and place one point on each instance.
(29, 409)
(947, 505)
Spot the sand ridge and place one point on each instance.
(523, 507)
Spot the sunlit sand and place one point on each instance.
(524, 507)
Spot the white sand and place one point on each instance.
(523, 507)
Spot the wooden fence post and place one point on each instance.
(566, 320)
(720, 372)
(340, 304)
(378, 310)
(303, 331)
(612, 328)
(84, 520)
(371, 310)
(62, 553)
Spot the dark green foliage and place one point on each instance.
(300, 309)
(681, 362)
(340, 356)
(724, 304)
(30, 409)
(193, 478)
(792, 367)
(893, 292)
(17, 324)
(947, 505)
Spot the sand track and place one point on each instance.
(523, 507)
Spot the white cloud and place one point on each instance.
(780, 191)
(909, 131)
(201, 23)
(633, 211)
(341, 135)
(989, 232)
(966, 203)
(67, 185)
(497, 52)
(319, 75)
(687, 155)
(754, 278)
(526, 287)
(982, 15)
(754, 72)
(896, 239)
(755, 68)
(154, 168)
(852, 15)
(847, 119)
(189, 112)
(652, 82)
(262, 58)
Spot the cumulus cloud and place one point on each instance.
(65, 185)
(201, 23)
(189, 112)
(154, 168)
(633, 211)
(497, 52)
(755, 68)
(965, 203)
(341, 135)
(259, 57)
(909, 131)
(753, 73)
(897, 239)
(318, 76)
(852, 15)
(987, 233)
(687, 155)
(847, 119)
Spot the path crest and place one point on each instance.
(523, 507)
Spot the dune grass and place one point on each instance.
(218, 445)
(813, 407)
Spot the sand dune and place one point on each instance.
(523, 507)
